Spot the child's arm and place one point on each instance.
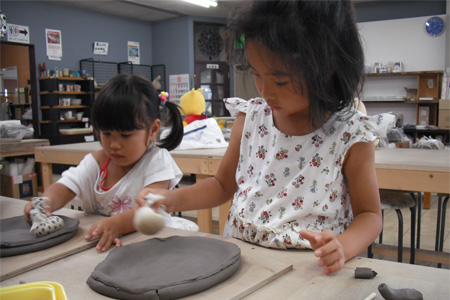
(58, 196)
(109, 229)
(209, 192)
(359, 170)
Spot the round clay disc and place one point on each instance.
(165, 268)
(16, 238)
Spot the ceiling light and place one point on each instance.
(204, 3)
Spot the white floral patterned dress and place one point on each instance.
(289, 183)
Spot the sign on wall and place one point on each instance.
(18, 33)
(101, 48)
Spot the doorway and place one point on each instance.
(212, 72)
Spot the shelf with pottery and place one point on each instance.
(426, 93)
(65, 108)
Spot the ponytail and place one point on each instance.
(173, 117)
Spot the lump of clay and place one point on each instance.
(389, 293)
(41, 224)
(365, 273)
(147, 221)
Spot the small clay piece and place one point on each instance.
(365, 273)
(147, 221)
(389, 293)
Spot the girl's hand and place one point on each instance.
(108, 232)
(327, 248)
(29, 206)
(141, 201)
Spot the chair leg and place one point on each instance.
(444, 211)
(418, 201)
(442, 231)
(369, 251)
(438, 224)
(400, 235)
(413, 235)
(380, 238)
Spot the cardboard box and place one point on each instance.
(444, 114)
(20, 186)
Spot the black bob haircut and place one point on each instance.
(317, 41)
(130, 102)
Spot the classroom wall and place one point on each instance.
(170, 42)
(173, 42)
(402, 40)
(79, 30)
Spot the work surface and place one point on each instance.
(13, 265)
(263, 274)
(420, 170)
(23, 147)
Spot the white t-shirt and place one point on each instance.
(290, 183)
(155, 165)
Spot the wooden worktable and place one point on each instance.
(405, 169)
(264, 274)
(23, 147)
(14, 265)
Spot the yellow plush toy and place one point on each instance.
(193, 106)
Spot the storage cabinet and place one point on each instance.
(425, 97)
(65, 109)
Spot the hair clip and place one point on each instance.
(163, 96)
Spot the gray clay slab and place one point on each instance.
(165, 268)
(16, 238)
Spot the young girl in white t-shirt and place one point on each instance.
(127, 118)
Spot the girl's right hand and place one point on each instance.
(167, 201)
(29, 206)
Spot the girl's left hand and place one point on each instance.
(107, 231)
(327, 248)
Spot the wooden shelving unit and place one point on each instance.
(54, 118)
(428, 87)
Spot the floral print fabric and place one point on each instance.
(289, 183)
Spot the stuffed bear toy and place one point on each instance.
(192, 105)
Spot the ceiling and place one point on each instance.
(152, 10)
(155, 10)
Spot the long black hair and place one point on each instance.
(130, 102)
(318, 42)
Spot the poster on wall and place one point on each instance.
(178, 86)
(101, 48)
(133, 53)
(54, 44)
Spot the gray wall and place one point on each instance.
(79, 30)
(173, 42)
(368, 11)
(168, 42)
